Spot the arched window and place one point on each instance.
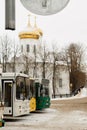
(27, 48)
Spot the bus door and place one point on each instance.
(7, 94)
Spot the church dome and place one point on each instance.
(30, 32)
(40, 31)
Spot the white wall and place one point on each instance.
(64, 75)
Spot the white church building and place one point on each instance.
(30, 39)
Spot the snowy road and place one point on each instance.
(58, 117)
(64, 114)
(33, 121)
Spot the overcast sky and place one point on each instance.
(67, 26)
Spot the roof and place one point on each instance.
(29, 31)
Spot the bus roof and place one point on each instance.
(12, 75)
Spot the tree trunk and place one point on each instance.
(43, 73)
(53, 81)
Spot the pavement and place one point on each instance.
(63, 114)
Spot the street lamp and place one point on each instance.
(44, 7)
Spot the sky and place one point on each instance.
(65, 27)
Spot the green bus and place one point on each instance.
(42, 94)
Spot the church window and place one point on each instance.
(27, 47)
(34, 49)
(22, 48)
(60, 83)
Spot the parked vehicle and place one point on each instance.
(2, 122)
(15, 92)
(42, 94)
(22, 94)
(32, 98)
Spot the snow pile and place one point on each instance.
(82, 93)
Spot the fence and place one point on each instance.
(61, 95)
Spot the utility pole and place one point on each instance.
(10, 14)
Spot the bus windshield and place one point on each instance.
(44, 90)
(22, 88)
(45, 84)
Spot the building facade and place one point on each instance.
(30, 40)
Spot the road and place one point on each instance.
(57, 117)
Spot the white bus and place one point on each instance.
(15, 92)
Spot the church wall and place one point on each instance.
(63, 82)
(31, 43)
(61, 76)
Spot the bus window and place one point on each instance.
(42, 92)
(8, 97)
(32, 88)
(45, 83)
(27, 83)
(46, 91)
(20, 88)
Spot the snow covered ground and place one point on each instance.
(70, 116)
(55, 118)
(80, 98)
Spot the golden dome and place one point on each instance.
(30, 32)
(27, 34)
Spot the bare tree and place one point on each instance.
(5, 51)
(43, 55)
(35, 62)
(15, 52)
(73, 56)
(56, 58)
(28, 61)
